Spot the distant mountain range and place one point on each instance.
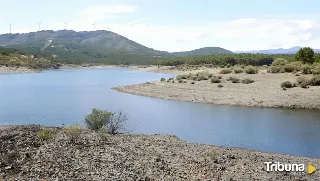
(92, 46)
(103, 47)
(291, 50)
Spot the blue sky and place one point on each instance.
(176, 25)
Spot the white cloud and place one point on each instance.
(105, 11)
(240, 34)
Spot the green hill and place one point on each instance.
(105, 47)
(203, 51)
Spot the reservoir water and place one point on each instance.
(66, 96)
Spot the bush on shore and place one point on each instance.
(251, 70)
(274, 69)
(238, 70)
(287, 84)
(97, 119)
(183, 76)
(316, 70)
(247, 81)
(289, 68)
(234, 79)
(215, 79)
(46, 134)
(304, 82)
(315, 81)
(279, 62)
(306, 69)
(225, 71)
(116, 123)
(74, 132)
(162, 79)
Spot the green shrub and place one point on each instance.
(103, 133)
(46, 134)
(97, 119)
(194, 77)
(238, 71)
(220, 85)
(183, 76)
(215, 80)
(162, 79)
(306, 69)
(279, 62)
(316, 70)
(180, 81)
(201, 77)
(286, 84)
(210, 75)
(247, 81)
(315, 81)
(274, 69)
(170, 79)
(296, 65)
(74, 132)
(225, 71)
(289, 68)
(234, 79)
(304, 82)
(302, 79)
(251, 70)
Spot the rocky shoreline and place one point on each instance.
(15, 70)
(90, 156)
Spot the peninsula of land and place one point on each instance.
(264, 91)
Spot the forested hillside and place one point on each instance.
(92, 47)
(17, 58)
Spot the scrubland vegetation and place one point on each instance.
(16, 58)
(100, 121)
(304, 62)
(254, 82)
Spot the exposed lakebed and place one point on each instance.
(65, 96)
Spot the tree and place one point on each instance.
(305, 55)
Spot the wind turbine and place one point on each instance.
(94, 26)
(66, 23)
(10, 27)
(39, 24)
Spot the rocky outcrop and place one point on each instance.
(24, 155)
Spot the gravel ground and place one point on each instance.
(91, 156)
